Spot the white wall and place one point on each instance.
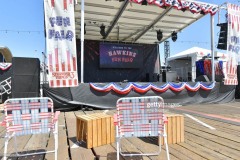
(182, 67)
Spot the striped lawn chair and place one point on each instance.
(140, 117)
(26, 116)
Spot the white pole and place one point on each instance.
(82, 40)
(212, 47)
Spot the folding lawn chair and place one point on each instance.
(140, 117)
(25, 116)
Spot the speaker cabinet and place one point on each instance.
(152, 77)
(25, 77)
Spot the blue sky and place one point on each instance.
(22, 29)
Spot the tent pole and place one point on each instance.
(82, 40)
(212, 47)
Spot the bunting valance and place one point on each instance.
(5, 66)
(177, 87)
(194, 7)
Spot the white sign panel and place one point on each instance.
(233, 44)
(61, 43)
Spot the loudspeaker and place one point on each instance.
(222, 40)
(164, 76)
(25, 77)
(152, 77)
(148, 77)
(202, 78)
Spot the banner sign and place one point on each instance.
(120, 55)
(61, 43)
(233, 44)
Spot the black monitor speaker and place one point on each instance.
(25, 77)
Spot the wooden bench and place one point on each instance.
(95, 129)
(174, 129)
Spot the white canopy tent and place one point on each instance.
(185, 61)
(128, 21)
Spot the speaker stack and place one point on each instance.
(25, 77)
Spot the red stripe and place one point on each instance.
(68, 61)
(50, 62)
(56, 59)
(63, 66)
(75, 82)
(231, 69)
(70, 82)
(51, 83)
(52, 3)
(65, 4)
(58, 83)
(74, 64)
(232, 20)
(64, 83)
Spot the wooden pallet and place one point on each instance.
(95, 129)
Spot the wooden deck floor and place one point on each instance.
(201, 143)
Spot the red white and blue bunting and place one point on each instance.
(5, 66)
(177, 87)
(194, 7)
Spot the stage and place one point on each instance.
(105, 95)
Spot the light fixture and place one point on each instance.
(174, 36)
(144, 2)
(85, 28)
(102, 30)
(183, 9)
(202, 12)
(159, 35)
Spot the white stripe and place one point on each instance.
(202, 123)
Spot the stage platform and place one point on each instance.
(105, 95)
(201, 143)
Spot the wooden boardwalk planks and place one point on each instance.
(200, 143)
(81, 152)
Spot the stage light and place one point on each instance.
(183, 9)
(174, 36)
(144, 2)
(159, 35)
(202, 12)
(102, 30)
(222, 40)
(85, 28)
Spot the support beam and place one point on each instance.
(153, 23)
(82, 41)
(116, 18)
(130, 35)
(212, 47)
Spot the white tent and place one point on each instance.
(184, 63)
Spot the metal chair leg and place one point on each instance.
(166, 144)
(56, 140)
(5, 148)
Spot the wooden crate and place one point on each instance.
(95, 129)
(174, 129)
